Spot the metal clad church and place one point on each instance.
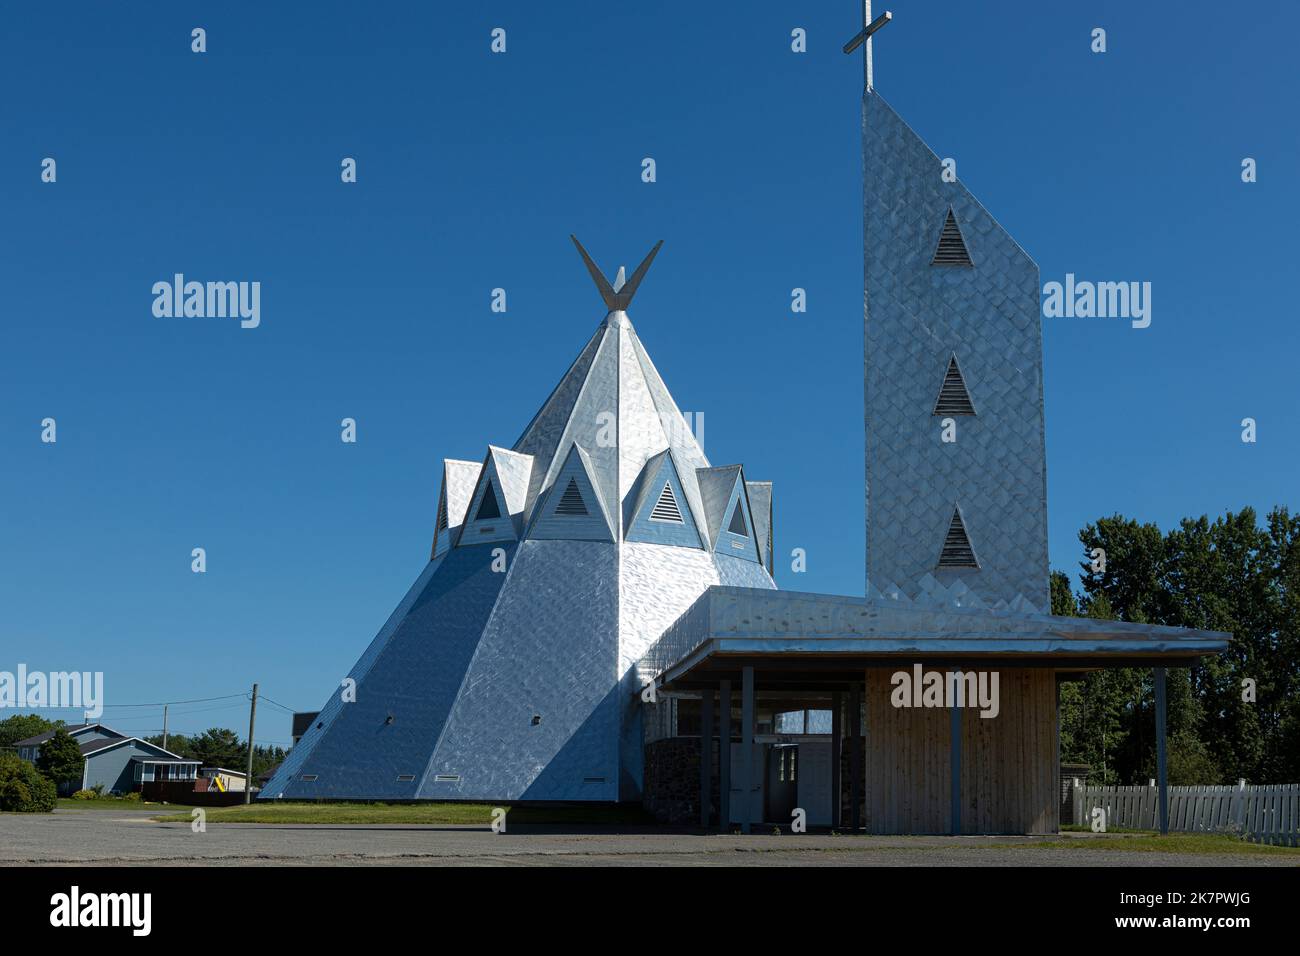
(603, 553)
(508, 671)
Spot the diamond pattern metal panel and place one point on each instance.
(404, 696)
(640, 431)
(917, 316)
(329, 711)
(542, 436)
(548, 652)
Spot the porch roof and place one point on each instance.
(799, 638)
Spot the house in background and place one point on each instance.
(113, 760)
(222, 780)
(30, 748)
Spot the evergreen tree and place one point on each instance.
(60, 758)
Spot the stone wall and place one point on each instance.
(672, 780)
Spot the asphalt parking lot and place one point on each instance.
(70, 837)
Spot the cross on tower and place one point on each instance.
(869, 26)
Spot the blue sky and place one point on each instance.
(473, 169)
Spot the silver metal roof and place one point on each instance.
(796, 628)
(508, 671)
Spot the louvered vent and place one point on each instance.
(954, 399)
(737, 525)
(442, 513)
(665, 508)
(952, 247)
(957, 552)
(571, 502)
(488, 507)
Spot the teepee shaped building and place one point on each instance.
(508, 670)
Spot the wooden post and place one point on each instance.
(248, 780)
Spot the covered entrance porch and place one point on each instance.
(944, 719)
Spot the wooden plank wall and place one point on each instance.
(908, 765)
(1008, 770)
(1008, 762)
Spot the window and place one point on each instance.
(737, 525)
(571, 503)
(666, 508)
(488, 507)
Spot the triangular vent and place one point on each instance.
(952, 247)
(737, 525)
(488, 508)
(954, 399)
(957, 552)
(571, 502)
(666, 508)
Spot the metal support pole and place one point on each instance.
(1162, 774)
(955, 766)
(837, 749)
(855, 757)
(746, 747)
(724, 755)
(706, 758)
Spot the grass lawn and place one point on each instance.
(418, 813)
(1148, 842)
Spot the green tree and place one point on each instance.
(218, 747)
(60, 758)
(1232, 574)
(176, 743)
(21, 726)
(22, 788)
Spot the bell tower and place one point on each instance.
(956, 475)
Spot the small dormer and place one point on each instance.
(660, 512)
(726, 503)
(459, 480)
(496, 509)
(572, 508)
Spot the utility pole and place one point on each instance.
(248, 779)
(164, 726)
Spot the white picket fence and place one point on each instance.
(1263, 814)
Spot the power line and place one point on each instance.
(287, 710)
(197, 700)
